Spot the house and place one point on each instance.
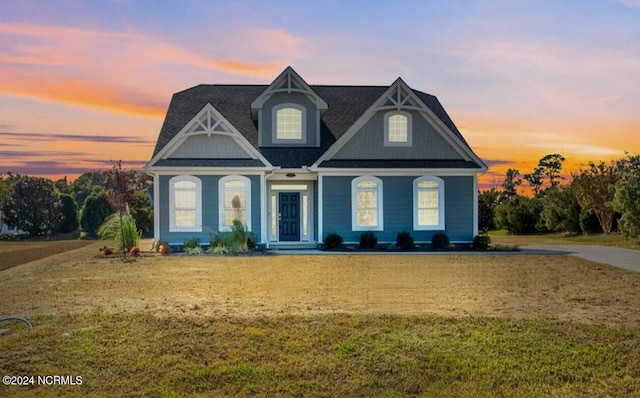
(295, 162)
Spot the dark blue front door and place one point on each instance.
(289, 216)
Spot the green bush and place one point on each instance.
(440, 240)
(69, 210)
(481, 242)
(404, 240)
(519, 215)
(333, 241)
(368, 240)
(238, 240)
(124, 236)
(192, 246)
(589, 223)
(96, 209)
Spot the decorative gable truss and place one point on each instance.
(209, 122)
(288, 82)
(400, 97)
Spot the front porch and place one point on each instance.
(291, 214)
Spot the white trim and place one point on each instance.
(209, 170)
(274, 124)
(183, 134)
(320, 209)
(290, 76)
(441, 204)
(263, 208)
(395, 172)
(247, 201)
(172, 204)
(156, 207)
(409, 141)
(379, 204)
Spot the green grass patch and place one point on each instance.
(329, 355)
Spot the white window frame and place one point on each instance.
(354, 204)
(441, 203)
(274, 125)
(247, 203)
(388, 116)
(172, 204)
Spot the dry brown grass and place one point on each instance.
(16, 253)
(498, 285)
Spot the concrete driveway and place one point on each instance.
(618, 257)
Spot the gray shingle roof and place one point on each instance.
(346, 105)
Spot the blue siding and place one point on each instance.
(398, 208)
(209, 209)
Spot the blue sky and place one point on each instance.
(521, 79)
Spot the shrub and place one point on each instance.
(192, 247)
(124, 236)
(589, 223)
(332, 241)
(440, 240)
(481, 242)
(238, 240)
(69, 214)
(404, 240)
(96, 209)
(519, 215)
(368, 240)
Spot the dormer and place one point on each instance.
(288, 112)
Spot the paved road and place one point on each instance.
(618, 257)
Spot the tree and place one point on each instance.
(627, 197)
(62, 185)
(142, 211)
(595, 188)
(511, 182)
(560, 211)
(33, 206)
(551, 165)
(519, 215)
(121, 196)
(487, 202)
(5, 190)
(535, 181)
(87, 184)
(95, 210)
(69, 214)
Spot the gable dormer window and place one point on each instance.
(397, 129)
(288, 124)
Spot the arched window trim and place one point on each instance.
(274, 124)
(387, 116)
(221, 209)
(172, 204)
(354, 204)
(441, 204)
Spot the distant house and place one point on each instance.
(295, 162)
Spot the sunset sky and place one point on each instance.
(86, 82)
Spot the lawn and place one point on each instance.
(333, 325)
(16, 253)
(615, 239)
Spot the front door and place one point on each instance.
(289, 216)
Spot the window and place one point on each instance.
(234, 202)
(428, 203)
(397, 129)
(288, 124)
(185, 204)
(366, 204)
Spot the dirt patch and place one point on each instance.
(504, 285)
(16, 253)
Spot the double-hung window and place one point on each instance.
(428, 203)
(397, 129)
(185, 204)
(288, 124)
(234, 202)
(366, 204)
